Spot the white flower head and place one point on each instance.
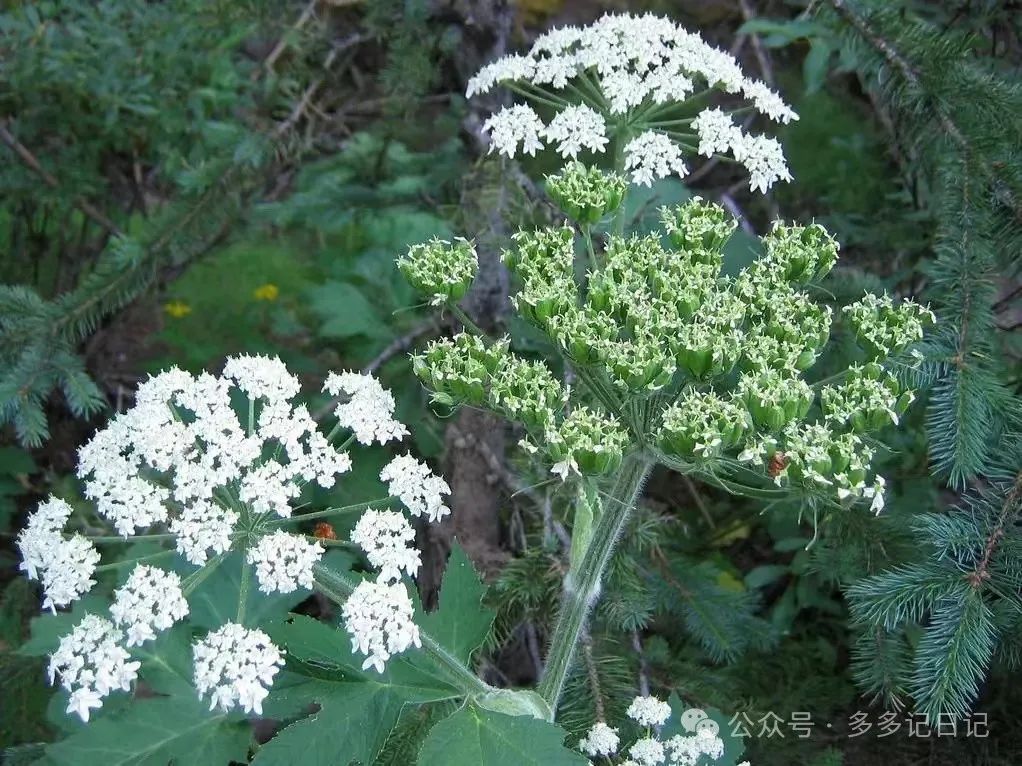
(379, 618)
(647, 752)
(189, 443)
(417, 487)
(262, 377)
(648, 711)
(763, 157)
(576, 128)
(717, 131)
(149, 601)
(41, 537)
(203, 528)
(388, 541)
(90, 663)
(514, 125)
(68, 573)
(284, 562)
(369, 411)
(600, 740)
(622, 64)
(236, 667)
(651, 156)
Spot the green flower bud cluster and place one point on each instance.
(705, 351)
(774, 399)
(586, 442)
(584, 334)
(800, 254)
(883, 328)
(765, 352)
(653, 316)
(441, 269)
(868, 399)
(641, 363)
(544, 260)
(813, 455)
(458, 369)
(699, 230)
(702, 424)
(526, 391)
(586, 195)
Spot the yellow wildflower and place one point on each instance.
(267, 292)
(177, 309)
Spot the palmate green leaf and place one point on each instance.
(169, 731)
(476, 737)
(357, 709)
(461, 623)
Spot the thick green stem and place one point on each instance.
(329, 512)
(337, 586)
(246, 581)
(132, 539)
(196, 578)
(139, 560)
(582, 585)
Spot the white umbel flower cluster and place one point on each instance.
(236, 667)
(379, 618)
(417, 487)
(151, 600)
(648, 711)
(701, 744)
(369, 411)
(642, 66)
(90, 663)
(283, 562)
(601, 739)
(64, 566)
(647, 752)
(388, 541)
(651, 156)
(184, 446)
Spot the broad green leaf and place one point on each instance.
(156, 732)
(357, 709)
(167, 662)
(486, 738)
(345, 311)
(815, 67)
(461, 622)
(47, 629)
(215, 600)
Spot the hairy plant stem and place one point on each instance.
(582, 585)
(337, 586)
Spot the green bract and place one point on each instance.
(441, 269)
(586, 195)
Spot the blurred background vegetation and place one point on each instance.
(189, 179)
